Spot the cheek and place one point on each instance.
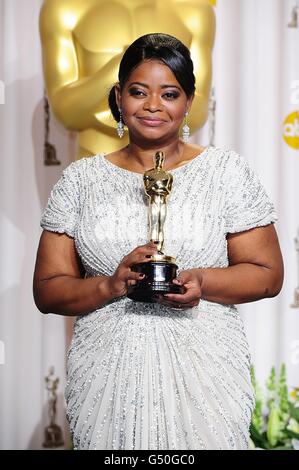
(130, 107)
(176, 109)
(177, 112)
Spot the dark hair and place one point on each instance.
(161, 47)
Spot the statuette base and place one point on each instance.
(53, 436)
(158, 279)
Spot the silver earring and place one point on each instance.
(186, 129)
(120, 126)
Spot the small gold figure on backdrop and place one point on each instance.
(294, 17)
(50, 157)
(53, 433)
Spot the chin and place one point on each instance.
(155, 136)
(156, 140)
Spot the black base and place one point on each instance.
(158, 279)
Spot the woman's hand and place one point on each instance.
(191, 280)
(124, 277)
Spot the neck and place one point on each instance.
(143, 157)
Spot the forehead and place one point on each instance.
(153, 72)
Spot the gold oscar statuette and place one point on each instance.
(53, 433)
(161, 269)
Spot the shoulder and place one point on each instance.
(84, 164)
(227, 159)
(203, 17)
(83, 170)
(53, 14)
(52, 10)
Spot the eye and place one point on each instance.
(171, 95)
(136, 92)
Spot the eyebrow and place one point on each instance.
(162, 86)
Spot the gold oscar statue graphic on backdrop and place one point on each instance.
(82, 45)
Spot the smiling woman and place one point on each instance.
(173, 374)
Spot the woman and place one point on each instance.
(172, 374)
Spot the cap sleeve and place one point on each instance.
(247, 204)
(62, 210)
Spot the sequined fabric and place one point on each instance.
(147, 376)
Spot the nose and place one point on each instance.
(153, 103)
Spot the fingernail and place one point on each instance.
(165, 295)
(141, 275)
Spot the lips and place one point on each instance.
(151, 121)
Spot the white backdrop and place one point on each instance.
(32, 342)
(255, 63)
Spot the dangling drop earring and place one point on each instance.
(120, 126)
(186, 129)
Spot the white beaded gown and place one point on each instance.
(147, 376)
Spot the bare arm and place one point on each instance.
(59, 285)
(255, 269)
